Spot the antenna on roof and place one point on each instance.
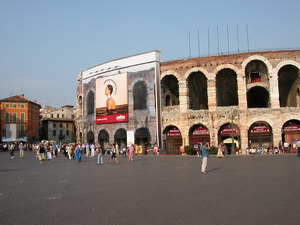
(189, 44)
(247, 37)
(237, 36)
(227, 40)
(198, 43)
(218, 41)
(208, 42)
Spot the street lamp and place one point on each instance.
(233, 114)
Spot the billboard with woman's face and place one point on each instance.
(112, 99)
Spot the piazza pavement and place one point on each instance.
(152, 190)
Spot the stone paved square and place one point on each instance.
(151, 190)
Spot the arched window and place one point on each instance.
(227, 89)
(140, 95)
(90, 103)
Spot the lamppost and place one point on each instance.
(233, 114)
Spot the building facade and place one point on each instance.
(58, 124)
(19, 118)
(242, 100)
(118, 102)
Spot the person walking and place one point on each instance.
(205, 154)
(49, 153)
(199, 150)
(113, 154)
(124, 152)
(93, 150)
(298, 147)
(99, 153)
(78, 153)
(69, 151)
(21, 149)
(12, 150)
(87, 150)
(131, 153)
(41, 153)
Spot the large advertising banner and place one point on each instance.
(112, 99)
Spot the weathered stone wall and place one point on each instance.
(184, 118)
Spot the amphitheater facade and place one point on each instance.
(242, 100)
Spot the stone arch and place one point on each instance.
(256, 71)
(172, 140)
(90, 138)
(228, 134)
(255, 119)
(90, 102)
(287, 73)
(227, 87)
(197, 90)
(198, 133)
(170, 90)
(196, 69)
(257, 58)
(103, 138)
(170, 72)
(260, 134)
(226, 66)
(258, 97)
(285, 63)
(120, 138)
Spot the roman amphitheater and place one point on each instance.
(246, 100)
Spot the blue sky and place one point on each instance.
(44, 44)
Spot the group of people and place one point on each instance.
(48, 151)
(12, 147)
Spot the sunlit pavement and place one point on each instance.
(150, 190)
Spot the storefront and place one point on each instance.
(229, 132)
(291, 133)
(260, 135)
(198, 134)
(173, 141)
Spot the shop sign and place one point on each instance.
(291, 128)
(174, 132)
(260, 129)
(201, 131)
(229, 130)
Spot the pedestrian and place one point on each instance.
(117, 149)
(285, 147)
(131, 153)
(298, 147)
(64, 150)
(205, 148)
(87, 150)
(124, 152)
(5, 147)
(155, 150)
(69, 151)
(99, 153)
(12, 150)
(21, 149)
(92, 150)
(49, 153)
(113, 154)
(78, 153)
(41, 153)
(199, 150)
(220, 153)
(54, 150)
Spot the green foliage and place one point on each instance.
(188, 149)
(213, 150)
